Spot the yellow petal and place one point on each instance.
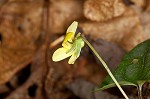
(68, 37)
(72, 59)
(66, 45)
(72, 28)
(60, 54)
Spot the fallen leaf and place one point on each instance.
(119, 30)
(145, 20)
(103, 10)
(82, 88)
(140, 3)
(62, 13)
(110, 53)
(33, 87)
(18, 36)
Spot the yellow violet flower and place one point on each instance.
(71, 45)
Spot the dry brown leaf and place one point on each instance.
(82, 88)
(117, 29)
(103, 10)
(33, 87)
(64, 12)
(18, 36)
(146, 91)
(142, 30)
(20, 29)
(145, 18)
(61, 13)
(140, 3)
(134, 37)
(110, 53)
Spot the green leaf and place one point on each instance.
(134, 68)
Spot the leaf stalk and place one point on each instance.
(106, 67)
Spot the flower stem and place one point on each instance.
(106, 67)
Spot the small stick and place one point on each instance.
(57, 41)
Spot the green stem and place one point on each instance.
(140, 84)
(140, 92)
(106, 67)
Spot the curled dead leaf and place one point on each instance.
(116, 30)
(103, 10)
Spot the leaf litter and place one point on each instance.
(28, 27)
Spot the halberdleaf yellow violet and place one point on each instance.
(71, 45)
